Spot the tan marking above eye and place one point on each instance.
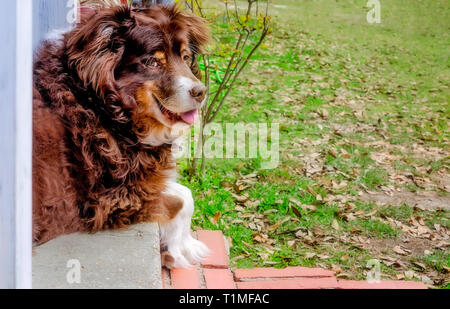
(183, 48)
(184, 52)
(161, 57)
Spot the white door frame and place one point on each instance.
(15, 143)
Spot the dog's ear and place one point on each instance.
(198, 31)
(95, 48)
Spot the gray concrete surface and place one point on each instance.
(109, 259)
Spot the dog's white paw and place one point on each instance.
(179, 261)
(187, 253)
(195, 251)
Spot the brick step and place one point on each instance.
(214, 272)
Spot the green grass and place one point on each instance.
(373, 178)
(371, 100)
(438, 260)
(376, 228)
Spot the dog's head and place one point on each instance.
(142, 63)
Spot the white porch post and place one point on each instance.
(15, 143)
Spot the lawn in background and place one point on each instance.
(364, 113)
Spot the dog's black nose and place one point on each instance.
(198, 93)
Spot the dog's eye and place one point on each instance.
(186, 58)
(151, 63)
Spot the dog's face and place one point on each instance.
(143, 63)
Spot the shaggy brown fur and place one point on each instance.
(90, 169)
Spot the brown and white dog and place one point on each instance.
(110, 97)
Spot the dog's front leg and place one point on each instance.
(181, 249)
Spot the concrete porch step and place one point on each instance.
(120, 259)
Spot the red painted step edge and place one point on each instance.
(214, 240)
(385, 284)
(288, 272)
(219, 278)
(298, 283)
(185, 278)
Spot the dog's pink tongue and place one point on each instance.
(190, 117)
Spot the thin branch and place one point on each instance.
(227, 71)
(237, 74)
(237, 62)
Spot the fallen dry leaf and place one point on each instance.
(216, 218)
(240, 198)
(420, 265)
(335, 224)
(310, 255)
(274, 226)
(336, 269)
(296, 211)
(399, 250)
(344, 258)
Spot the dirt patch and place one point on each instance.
(443, 182)
(415, 246)
(426, 200)
(413, 249)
